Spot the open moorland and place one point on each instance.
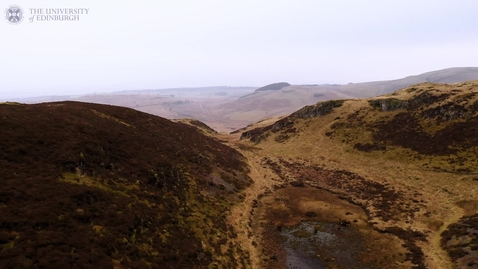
(382, 182)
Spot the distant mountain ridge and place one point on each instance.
(374, 88)
(185, 89)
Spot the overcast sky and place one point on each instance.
(124, 45)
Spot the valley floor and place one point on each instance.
(347, 212)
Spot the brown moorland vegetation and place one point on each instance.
(97, 186)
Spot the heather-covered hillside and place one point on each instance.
(96, 186)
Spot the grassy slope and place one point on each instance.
(434, 179)
(95, 186)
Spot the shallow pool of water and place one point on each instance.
(321, 245)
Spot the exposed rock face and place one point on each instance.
(424, 102)
(447, 112)
(430, 119)
(392, 104)
(319, 109)
(426, 98)
(389, 104)
(255, 135)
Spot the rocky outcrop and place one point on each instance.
(389, 104)
(255, 135)
(425, 98)
(446, 112)
(319, 109)
(393, 104)
(422, 102)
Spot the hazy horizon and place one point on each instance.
(164, 44)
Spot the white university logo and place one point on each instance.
(14, 14)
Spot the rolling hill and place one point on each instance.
(449, 75)
(226, 109)
(400, 170)
(96, 186)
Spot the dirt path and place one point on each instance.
(242, 214)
